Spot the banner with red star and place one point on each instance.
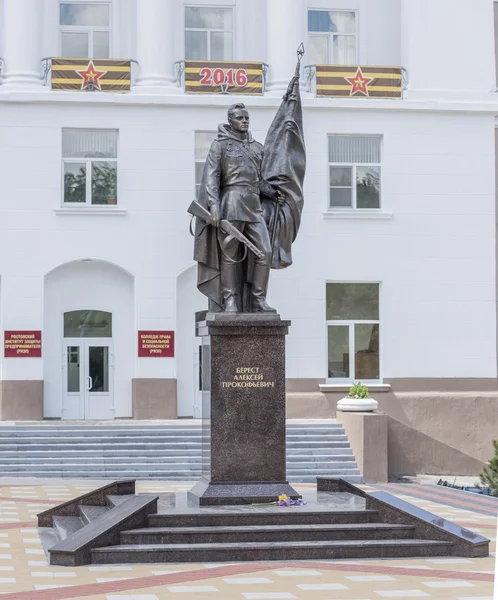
(358, 81)
(91, 77)
(85, 75)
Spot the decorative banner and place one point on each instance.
(22, 344)
(212, 77)
(156, 344)
(83, 74)
(358, 82)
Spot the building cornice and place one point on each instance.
(486, 103)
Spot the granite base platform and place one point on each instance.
(339, 521)
(205, 493)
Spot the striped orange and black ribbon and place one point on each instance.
(378, 82)
(69, 74)
(203, 77)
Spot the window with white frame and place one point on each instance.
(203, 140)
(89, 159)
(354, 171)
(85, 29)
(352, 313)
(332, 37)
(209, 33)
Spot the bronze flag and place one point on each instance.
(358, 82)
(214, 77)
(91, 74)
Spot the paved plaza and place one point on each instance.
(26, 575)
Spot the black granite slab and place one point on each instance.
(96, 498)
(266, 533)
(427, 525)
(262, 551)
(76, 548)
(243, 410)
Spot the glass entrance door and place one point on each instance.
(88, 365)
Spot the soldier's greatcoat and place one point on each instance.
(238, 175)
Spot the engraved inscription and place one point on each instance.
(248, 377)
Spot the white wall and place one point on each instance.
(435, 257)
(448, 45)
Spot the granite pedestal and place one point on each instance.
(243, 380)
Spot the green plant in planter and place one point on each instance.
(489, 475)
(104, 183)
(75, 186)
(358, 390)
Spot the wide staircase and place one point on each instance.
(165, 450)
(114, 525)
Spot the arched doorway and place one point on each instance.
(188, 301)
(89, 341)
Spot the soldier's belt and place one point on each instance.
(248, 188)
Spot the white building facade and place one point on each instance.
(394, 274)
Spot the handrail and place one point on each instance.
(179, 67)
(46, 65)
(309, 75)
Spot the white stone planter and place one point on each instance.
(357, 405)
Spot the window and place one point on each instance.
(332, 37)
(203, 140)
(87, 323)
(85, 30)
(354, 171)
(208, 33)
(352, 314)
(90, 166)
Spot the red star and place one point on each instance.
(91, 75)
(359, 83)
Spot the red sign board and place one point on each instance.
(22, 344)
(156, 344)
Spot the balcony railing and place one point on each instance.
(89, 74)
(211, 77)
(340, 81)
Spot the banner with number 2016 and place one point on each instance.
(212, 77)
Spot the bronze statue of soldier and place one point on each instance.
(249, 206)
(233, 183)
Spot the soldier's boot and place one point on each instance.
(229, 287)
(260, 278)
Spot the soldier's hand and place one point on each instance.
(280, 198)
(215, 215)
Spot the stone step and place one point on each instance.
(116, 500)
(163, 465)
(92, 513)
(297, 447)
(182, 455)
(294, 461)
(329, 471)
(65, 526)
(97, 474)
(277, 516)
(312, 479)
(23, 453)
(256, 551)
(134, 431)
(267, 533)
